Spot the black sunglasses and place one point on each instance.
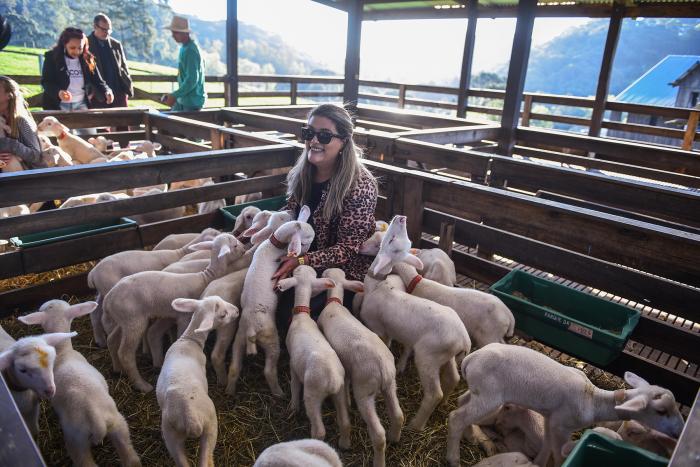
(323, 136)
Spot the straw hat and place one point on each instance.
(179, 24)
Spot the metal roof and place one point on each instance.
(655, 87)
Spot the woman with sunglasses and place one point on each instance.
(70, 77)
(330, 178)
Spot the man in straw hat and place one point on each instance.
(190, 94)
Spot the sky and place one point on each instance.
(415, 51)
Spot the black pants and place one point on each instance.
(318, 303)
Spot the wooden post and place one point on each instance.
(402, 96)
(148, 129)
(216, 139)
(293, 91)
(412, 208)
(447, 237)
(351, 85)
(690, 130)
(516, 75)
(232, 53)
(467, 58)
(601, 94)
(527, 109)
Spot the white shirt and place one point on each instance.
(75, 73)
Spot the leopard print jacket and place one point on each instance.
(338, 240)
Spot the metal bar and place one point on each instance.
(467, 58)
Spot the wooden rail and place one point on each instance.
(403, 94)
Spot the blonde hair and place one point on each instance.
(348, 165)
(16, 106)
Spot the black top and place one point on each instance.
(107, 63)
(115, 59)
(54, 77)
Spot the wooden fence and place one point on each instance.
(402, 95)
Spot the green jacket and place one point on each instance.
(190, 76)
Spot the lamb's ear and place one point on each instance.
(634, 380)
(632, 407)
(250, 231)
(184, 305)
(5, 360)
(664, 440)
(294, 248)
(56, 338)
(304, 214)
(33, 318)
(92, 140)
(286, 284)
(224, 251)
(381, 263)
(205, 245)
(322, 283)
(413, 261)
(354, 286)
(567, 448)
(81, 309)
(206, 325)
(260, 236)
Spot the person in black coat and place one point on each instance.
(111, 61)
(70, 76)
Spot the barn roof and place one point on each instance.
(656, 86)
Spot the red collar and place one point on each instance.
(244, 240)
(334, 299)
(301, 309)
(414, 282)
(62, 135)
(277, 243)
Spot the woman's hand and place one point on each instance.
(109, 97)
(64, 95)
(5, 157)
(287, 265)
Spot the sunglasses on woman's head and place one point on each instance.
(323, 136)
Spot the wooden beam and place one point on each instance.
(601, 95)
(690, 130)
(232, 52)
(687, 452)
(455, 135)
(516, 75)
(351, 84)
(19, 447)
(467, 58)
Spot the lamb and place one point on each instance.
(147, 147)
(156, 216)
(28, 367)
(435, 332)
(501, 373)
(299, 453)
(113, 268)
(210, 206)
(53, 156)
(507, 459)
(79, 150)
(12, 211)
(85, 421)
(313, 362)
(259, 301)
(146, 295)
(101, 143)
(647, 438)
(485, 316)
(437, 266)
(182, 390)
(369, 363)
(512, 429)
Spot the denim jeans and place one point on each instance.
(179, 107)
(71, 106)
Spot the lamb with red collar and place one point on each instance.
(78, 149)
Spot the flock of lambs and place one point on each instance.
(520, 403)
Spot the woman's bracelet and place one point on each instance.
(302, 260)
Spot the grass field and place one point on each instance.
(25, 61)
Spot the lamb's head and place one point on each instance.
(207, 234)
(297, 234)
(245, 220)
(225, 249)
(148, 147)
(50, 126)
(31, 360)
(57, 315)
(305, 277)
(337, 275)
(646, 438)
(209, 313)
(650, 405)
(45, 142)
(101, 143)
(395, 248)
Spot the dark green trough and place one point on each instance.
(231, 212)
(70, 233)
(588, 327)
(597, 450)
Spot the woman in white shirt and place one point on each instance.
(70, 76)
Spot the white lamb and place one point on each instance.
(500, 373)
(434, 332)
(507, 459)
(182, 389)
(512, 429)
(437, 265)
(299, 453)
(113, 268)
(368, 363)
(27, 366)
(12, 211)
(79, 150)
(101, 143)
(85, 409)
(210, 206)
(485, 316)
(136, 299)
(313, 362)
(647, 438)
(53, 156)
(156, 216)
(259, 300)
